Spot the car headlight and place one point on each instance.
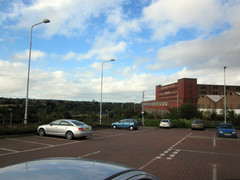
(220, 132)
(233, 132)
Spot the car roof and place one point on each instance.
(225, 123)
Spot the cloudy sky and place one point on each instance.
(153, 42)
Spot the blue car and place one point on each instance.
(126, 124)
(226, 130)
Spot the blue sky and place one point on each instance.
(153, 42)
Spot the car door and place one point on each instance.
(63, 127)
(52, 128)
(127, 123)
(121, 123)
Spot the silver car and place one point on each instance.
(68, 128)
(166, 123)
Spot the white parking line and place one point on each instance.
(19, 140)
(69, 143)
(167, 151)
(214, 140)
(214, 172)
(90, 154)
(5, 149)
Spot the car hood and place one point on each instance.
(63, 168)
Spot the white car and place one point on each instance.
(166, 123)
(68, 128)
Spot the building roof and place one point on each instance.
(215, 98)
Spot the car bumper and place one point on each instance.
(82, 134)
(197, 127)
(166, 126)
(227, 135)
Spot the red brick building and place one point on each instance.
(186, 90)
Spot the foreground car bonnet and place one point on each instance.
(67, 168)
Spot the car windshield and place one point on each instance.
(197, 122)
(78, 123)
(165, 120)
(226, 126)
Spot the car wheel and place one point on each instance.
(114, 127)
(131, 128)
(41, 132)
(69, 135)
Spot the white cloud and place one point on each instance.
(167, 17)
(122, 24)
(104, 49)
(67, 18)
(70, 55)
(35, 54)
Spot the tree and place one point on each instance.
(188, 111)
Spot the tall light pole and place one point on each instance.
(143, 109)
(225, 106)
(100, 121)
(29, 60)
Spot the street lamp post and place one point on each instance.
(143, 109)
(100, 121)
(29, 60)
(225, 106)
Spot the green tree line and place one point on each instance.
(45, 111)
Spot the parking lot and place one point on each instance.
(165, 153)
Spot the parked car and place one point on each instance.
(68, 128)
(198, 124)
(166, 123)
(125, 123)
(226, 130)
(71, 168)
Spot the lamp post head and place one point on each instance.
(112, 59)
(46, 21)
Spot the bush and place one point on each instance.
(151, 122)
(182, 123)
(20, 130)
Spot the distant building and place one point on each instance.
(186, 90)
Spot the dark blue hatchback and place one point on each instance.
(126, 124)
(226, 130)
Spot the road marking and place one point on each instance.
(214, 172)
(19, 140)
(5, 149)
(214, 140)
(72, 142)
(90, 154)
(173, 154)
(208, 152)
(145, 165)
(166, 151)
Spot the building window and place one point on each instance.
(238, 106)
(230, 106)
